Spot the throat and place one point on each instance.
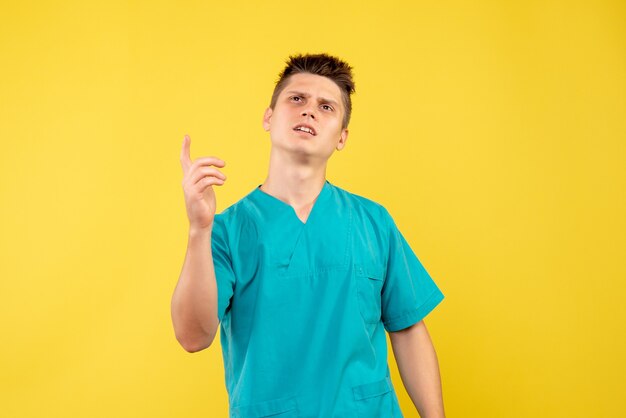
(303, 213)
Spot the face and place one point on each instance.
(313, 102)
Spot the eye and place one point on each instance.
(295, 97)
(327, 106)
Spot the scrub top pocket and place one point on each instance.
(369, 283)
(279, 408)
(374, 400)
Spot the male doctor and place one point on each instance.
(302, 277)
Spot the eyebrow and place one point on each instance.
(321, 99)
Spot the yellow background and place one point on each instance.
(494, 132)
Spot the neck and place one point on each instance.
(295, 181)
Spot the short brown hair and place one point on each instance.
(320, 64)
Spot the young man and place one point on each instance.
(303, 277)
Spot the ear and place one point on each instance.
(342, 139)
(267, 118)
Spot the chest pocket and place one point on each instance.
(369, 279)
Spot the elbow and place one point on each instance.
(194, 348)
(192, 336)
(193, 345)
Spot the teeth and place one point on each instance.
(305, 129)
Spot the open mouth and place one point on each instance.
(306, 129)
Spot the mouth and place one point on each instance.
(307, 129)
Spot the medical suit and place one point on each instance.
(303, 307)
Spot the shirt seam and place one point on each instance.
(389, 322)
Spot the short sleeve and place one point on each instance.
(222, 264)
(409, 293)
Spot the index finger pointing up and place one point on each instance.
(185, 159)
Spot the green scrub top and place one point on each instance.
(303, 307)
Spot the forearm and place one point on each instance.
(194, 302)
(419, 369)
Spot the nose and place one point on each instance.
(305, 113)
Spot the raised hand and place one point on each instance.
(198, 179)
